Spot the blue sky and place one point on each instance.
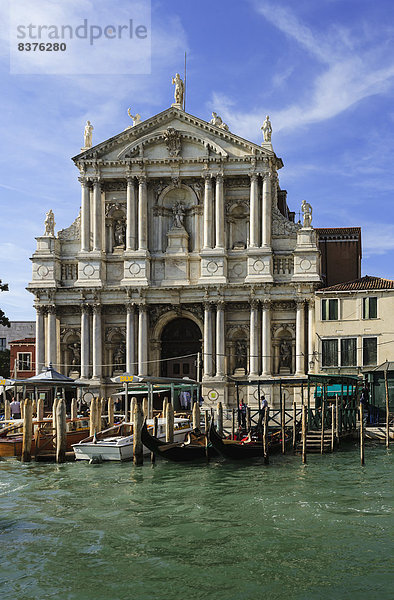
(323, 71)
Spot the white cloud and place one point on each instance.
(348, 73)
(378, 239)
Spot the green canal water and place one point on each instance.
(219, 531)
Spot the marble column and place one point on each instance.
(219, 210)
(300, 358)
(208, 212)
(85, 318)
(220, 339)
(97, 342)
(253, 342)
(131, 215)
(51, 336)
(266, 211)
(97, 221)
(208, 338)
(142, 339)
(254, 212)
(311, 335)
(40, 339)
(266, 347)
(85, 216)
(130, 336)
(142, 213)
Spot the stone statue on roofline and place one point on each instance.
(88, 135)
(135, 118)
(217, 121)
(306, 213)
(267, 129)
(49, 224)
(179, 91)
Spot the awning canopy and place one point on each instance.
(49, 376)
(147, 379)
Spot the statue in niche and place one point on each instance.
(306, 213)
(285, 355)
(49, 223)
(179, 89)
(240, 354)
(119, 233)
(178, 211)
(88, 135)
(75, 350)
(135, 118)
(119, 356)
(267, 129)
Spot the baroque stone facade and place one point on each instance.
(181, 222)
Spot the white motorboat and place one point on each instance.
(116, 443)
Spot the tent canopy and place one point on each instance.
(49, 376)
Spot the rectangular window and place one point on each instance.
(329, 310)
(3, 344)
(370, 351)
(24, 361)
(177, 368)
(370, 308)
(349, 352)
(329, 353)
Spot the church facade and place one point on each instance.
(184, 248)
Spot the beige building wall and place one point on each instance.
(353, 323)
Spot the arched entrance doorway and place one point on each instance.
(180, 338)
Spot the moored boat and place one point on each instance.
(194, 448)
(116, 443)
(244, 449)
(43, 440)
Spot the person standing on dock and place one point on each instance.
(242, 414)
(364, 400)
(263, 404)
(15, 407)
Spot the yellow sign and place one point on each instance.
(213, 395)
(126, 379)
(2, 381)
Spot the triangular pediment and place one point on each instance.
(173, 133)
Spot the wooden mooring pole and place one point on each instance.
(196, 415)
(206, 421)
(92, 417)
(332, 427)
(27, 430)
(165, 402)
(294, 425)
(155, 433)
(169, 423)
(40, 409)
(283, 424)
(110, 410)
(74, 411)
(145, 407)
(323, 410)
(304, 430)
(233, 425)
(61, 431)
(362, 432)
(387, 411)
(7, 409)
(248, 419)
(220, 418)
(337, 420)
(265, 434)
(138, 420)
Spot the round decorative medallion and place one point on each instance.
(237, 269)
(258, 266)
(212, 267)
(305, 264)
(88, 270)
(134, 269)
(213, 395)
(42, 271)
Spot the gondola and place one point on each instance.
(193, 449)
(240, 450)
